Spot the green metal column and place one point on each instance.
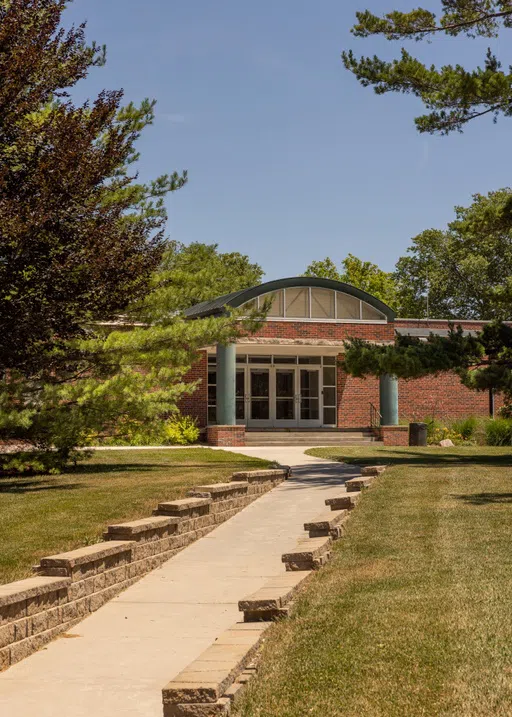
(389, 400)
(226, 385)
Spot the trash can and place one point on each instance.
(417, 434)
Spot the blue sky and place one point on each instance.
(289, 159)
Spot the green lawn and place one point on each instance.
(41, 515)
(413, 616)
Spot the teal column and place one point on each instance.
(389, 400)
(226, 385)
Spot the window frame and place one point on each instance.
(260, 300)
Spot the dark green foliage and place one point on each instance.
(452, 94)
(79, 237)
(483, 362)
(80, 241)
(361, 274)
(466, 269)
(498, 432)
(194, 273)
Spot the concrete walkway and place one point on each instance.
(120, 657)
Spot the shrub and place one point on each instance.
(498, 432)
(466, 427)
(181, 431)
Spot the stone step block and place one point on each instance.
(309, 554)
(263, 476)
(358, 484)
(199, 689)
(372, 470)
(345, 501)
(220, 708)
(220, 491)
(330, 522)
(154, 528)
(89, 561)
(268, 602)
(191, 507)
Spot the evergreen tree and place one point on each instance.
(452, 94)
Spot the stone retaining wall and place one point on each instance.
(71, 585)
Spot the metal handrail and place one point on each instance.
(375, 416)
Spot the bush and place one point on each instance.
(181, 431)
(466, 427)
(38, 462)
(461, 431)
(498, 432)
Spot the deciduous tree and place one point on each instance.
(361, 274)
(464, 271)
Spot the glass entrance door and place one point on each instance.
(259, 402)
(280, 397)
(285, 392)
(309, 397)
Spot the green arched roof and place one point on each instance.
(217, 306)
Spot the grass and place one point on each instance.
(44, 515)
(413, 616)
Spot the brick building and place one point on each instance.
(288, 376)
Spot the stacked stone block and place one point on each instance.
(71, 585)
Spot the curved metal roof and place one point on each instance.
(237, 298)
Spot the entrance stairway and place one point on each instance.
(308, 437)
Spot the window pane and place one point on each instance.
(240, 384)
(329, 376)
(285, 409)
(260, 382)
(285, 383)
(309, 409)
(310, 359)
(212, 358)
(212, 377)
(322, 304)
(348, 307)
(212, 395)
(297, 303)
(260, 410)
(250, 306)
(309, 384)
(371, 314)
(329, 396)
(330, 416)
(240, 410)
(285, 359)
(241, 358)
(212, 414)
(277, 300)
(260, 359)
(329, 360)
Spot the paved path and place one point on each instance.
(128, 650)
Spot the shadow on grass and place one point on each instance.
(94, 468)
(485, 498)
(22, 485)
(429, 459)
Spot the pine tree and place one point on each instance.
(452, 94)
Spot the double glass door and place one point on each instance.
(280, 397)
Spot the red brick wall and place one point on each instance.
(440, 396)
(325, 330)
(196, 404)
